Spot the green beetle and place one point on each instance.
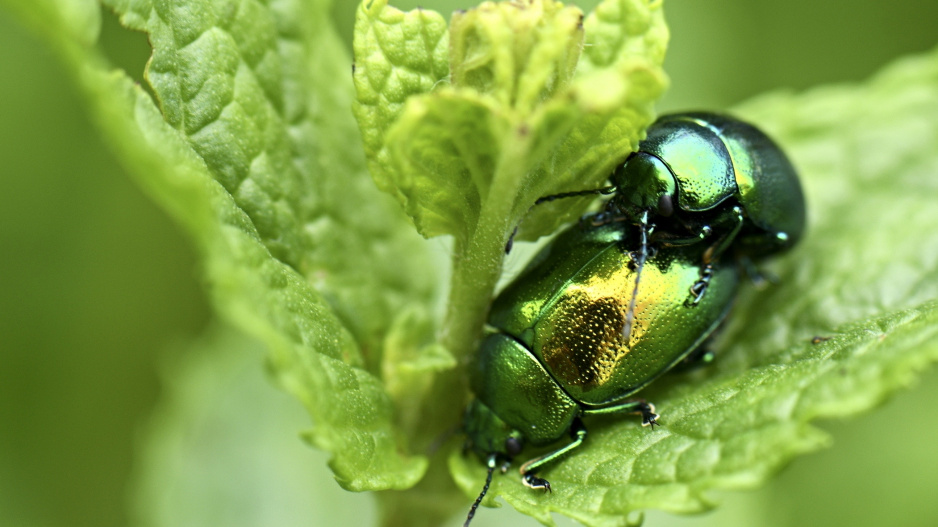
(603, 309)
(575, 336)
(711, 179)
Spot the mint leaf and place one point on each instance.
(253, 151)
(864, 277)
(397, 55)
(617, 82)
(515, 103)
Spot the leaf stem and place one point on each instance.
(477, 262)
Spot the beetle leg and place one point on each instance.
(700, 235)
(637, 406)
(533, 482)
(577, 432)
(604, 218)
(728, 225)
(700, 286)
(735, 220)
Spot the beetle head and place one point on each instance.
(644, 182)
(488, 434)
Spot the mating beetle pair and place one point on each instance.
(628, 293)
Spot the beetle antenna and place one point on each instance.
(642, 256)
(604, 191)
(490, 462)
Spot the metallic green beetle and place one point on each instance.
(559, 351)
(603, 310)
(711, 179)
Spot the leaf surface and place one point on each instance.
(251, 147)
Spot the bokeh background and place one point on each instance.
(101, 302)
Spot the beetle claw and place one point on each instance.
(699, 288)
(649, 417)
(534, 482)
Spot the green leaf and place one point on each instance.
(397, 55)
(865, 278)
(617, 82)
(516, 119)
(251, 148)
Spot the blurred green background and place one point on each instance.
(100, 299)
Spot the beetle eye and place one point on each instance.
(665, 205)
(513, 446)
